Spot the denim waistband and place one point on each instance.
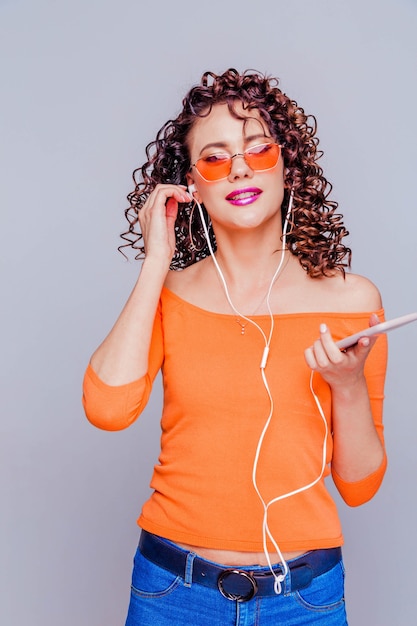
(235, 583)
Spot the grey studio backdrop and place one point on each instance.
(85, 85)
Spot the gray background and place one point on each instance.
(85, 84)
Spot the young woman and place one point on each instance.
(260, 405)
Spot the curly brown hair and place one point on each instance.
(316, 230)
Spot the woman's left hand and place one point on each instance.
(339, 367)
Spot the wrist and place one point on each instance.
(157, 265)
(349, 387)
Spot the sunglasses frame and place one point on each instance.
(242, 154)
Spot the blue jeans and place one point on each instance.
(160, 598)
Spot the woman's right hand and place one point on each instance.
(157, 220)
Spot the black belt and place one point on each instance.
(232, 582)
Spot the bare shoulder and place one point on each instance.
(357, 293)
(339, 293)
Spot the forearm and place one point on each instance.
(358, 450)
(123, 355)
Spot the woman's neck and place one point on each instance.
(250, 257)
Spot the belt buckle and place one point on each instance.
(236, 584)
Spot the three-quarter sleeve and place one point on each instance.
(115, 407)
(359, 492)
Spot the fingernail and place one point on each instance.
(323, 328)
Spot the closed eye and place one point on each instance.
(261, 149)
(216, 158)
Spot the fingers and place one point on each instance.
(324, 355)
(157, 218)
(374, 319)
(162, 196)
(324, 352)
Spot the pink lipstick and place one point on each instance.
(242, 197)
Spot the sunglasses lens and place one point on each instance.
(214, 167)
(263, 157)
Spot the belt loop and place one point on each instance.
(287, 584)
(188, 575)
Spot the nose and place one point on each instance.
(239, 168)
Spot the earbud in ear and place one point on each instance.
(191, 189)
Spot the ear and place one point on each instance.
(192, 189)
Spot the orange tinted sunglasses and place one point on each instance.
(219, 165)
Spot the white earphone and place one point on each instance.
(191, 189)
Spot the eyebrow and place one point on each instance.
(223, 144)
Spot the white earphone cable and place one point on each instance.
(266, 533)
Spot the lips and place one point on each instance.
(242, 197)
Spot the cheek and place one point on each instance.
(206, 194)
(274, 184)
